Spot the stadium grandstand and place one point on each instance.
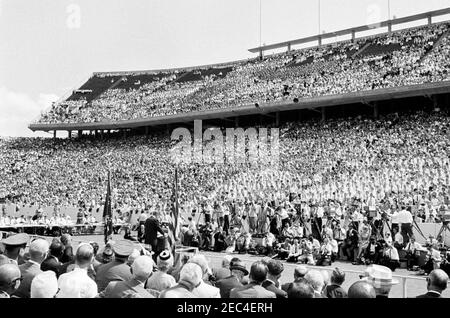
(364, 139)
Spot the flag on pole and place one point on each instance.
(174, 228)
(107, 212)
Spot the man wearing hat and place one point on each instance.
(160, 280)
(15, 247)
(381, 279)
(117, 269)
(272, 282)
(238, 272)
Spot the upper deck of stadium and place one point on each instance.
(363, 70)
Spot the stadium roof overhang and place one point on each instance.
(363, 97)
(382, 24)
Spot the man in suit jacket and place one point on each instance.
(52, 263)
(152, 227)
(436, 284)
(38, 252)
(118, 269)
(299, 276)
(275, 268)
(238, 272)
(141, 269)
(258, 274)
(334, 290)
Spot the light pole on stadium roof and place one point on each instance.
(319, 16)
(260, 22)
(389, 9)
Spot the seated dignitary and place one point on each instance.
(38, 252)
(141, 269)
(77, 283)
(160, 280)
(238, 272)
(436, 284)
(9, 279)
(299, 275)
(258, 274)
(190, 277)
(272, 283)
(15, 247)
(44, 285)
(117, 269)
(204, 290)
(361, 289)
(300, 289)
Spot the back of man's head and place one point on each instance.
(191, 273)
(38, 250)
(361, 289)
(142, 267)
(201, 261)
(275, 267)
(258, 272)
(226, 261)
(337, 277)
(315, 279)
(437, 280)
(84, 255)
(56, 248)
(44, 285)
(300, 271)
(300, 289)
(66, 239)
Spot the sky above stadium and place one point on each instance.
(49, 47)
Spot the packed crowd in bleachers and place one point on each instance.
(407, 57)
(340, 177)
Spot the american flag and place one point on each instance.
(173, 226)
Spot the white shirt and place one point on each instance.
(76, 284)
(206, 291)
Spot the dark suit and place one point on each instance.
(335, 291)
(152, 227)
(67, 255)
(270, 286)
(51, 263)
(251, 290)
(28, 271)
(227, 284)
(430, 295)
(117, 289)
(113, 271)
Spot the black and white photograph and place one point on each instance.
(242, 153)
